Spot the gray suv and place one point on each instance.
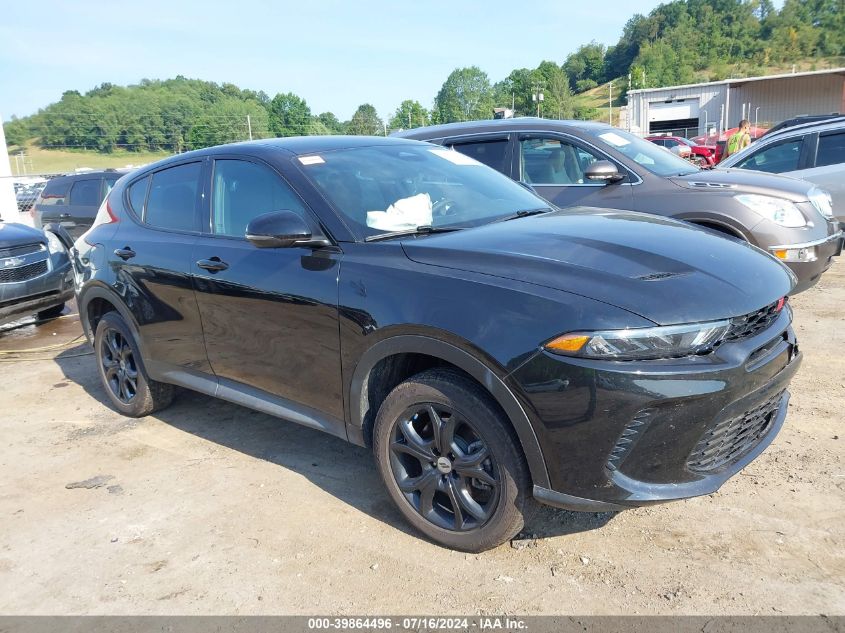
(593, 164)
(813, 151)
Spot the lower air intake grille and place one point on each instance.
(730, 439)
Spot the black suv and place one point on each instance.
(402, 296)
(72, 201)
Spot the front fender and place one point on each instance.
(418, 344)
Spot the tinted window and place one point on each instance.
(491, 153)
(831, 149)
(776, 158)
(173, 198)
(109, 182)
(85, 193)
(55, 192)
(244, 190)
(547, 161)
(137, 193)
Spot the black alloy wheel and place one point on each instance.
(443, 467)
(129, 388)
(451, 461)
(119, 366)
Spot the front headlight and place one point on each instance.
(822, 200)
(671, 341)
(54, 244)
(777, 210)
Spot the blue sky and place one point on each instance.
(336, 55)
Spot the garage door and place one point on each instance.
(678, 109)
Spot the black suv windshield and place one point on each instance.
(389, 188)
(645, 153)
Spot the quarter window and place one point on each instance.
(776, 158)
(243, 191)
(492, 153)
(548, 161)
(831, 150)
(137, 193)
(85, 193)
(172, 202)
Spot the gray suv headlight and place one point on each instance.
(778, 210)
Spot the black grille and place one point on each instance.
(22, 273)
(730, 439)
(750, 324)
(21, 249)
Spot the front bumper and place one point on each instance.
(808, 273)
(621, 434)
(39, 293)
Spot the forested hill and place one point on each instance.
(679, 42)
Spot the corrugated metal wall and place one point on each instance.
(777, 99)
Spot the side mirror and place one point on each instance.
(281, 229)
(603, 171)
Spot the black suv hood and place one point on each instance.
(13, 234)
(745, 181)
(664, 270)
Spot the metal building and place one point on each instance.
(710, 108)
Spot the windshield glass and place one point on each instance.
(653, 157)
(387, 188)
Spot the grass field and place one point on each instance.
(49, 161)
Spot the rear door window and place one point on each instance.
(831, 149)
(172, 202)
(493, 153)
(776, 158)
(85, 193)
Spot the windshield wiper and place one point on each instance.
(425, 229)
(524, 213)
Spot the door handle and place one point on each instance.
(214, 264)
(124, 253)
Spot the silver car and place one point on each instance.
(812, 151)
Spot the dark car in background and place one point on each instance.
(72, 201)
(586, 163)
(35, 272)
(813, 151)
(490, 349)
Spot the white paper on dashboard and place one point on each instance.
(614, 139)
(406, 213)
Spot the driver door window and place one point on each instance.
(775, 159)
(547, 161)
(242, 191)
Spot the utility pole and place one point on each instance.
(249, 126)
(537, 96)
(409, 119)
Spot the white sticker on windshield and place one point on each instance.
(454, 157)
(311, 160)
(614, 139)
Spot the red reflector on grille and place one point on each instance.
(779, 306)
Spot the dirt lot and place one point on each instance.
(214, 509)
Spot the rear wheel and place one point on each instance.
(451, 461)
(129, 388)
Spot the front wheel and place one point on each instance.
(451, 461)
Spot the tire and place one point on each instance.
(51, 313)
(427, 483)
(122, 372)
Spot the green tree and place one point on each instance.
(333, 125)
(366, 122)
(466, 95)
(409, 114)
(289, 115)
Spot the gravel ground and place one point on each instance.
(209, 508)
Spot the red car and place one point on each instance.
(717, 144)
(702, 155)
